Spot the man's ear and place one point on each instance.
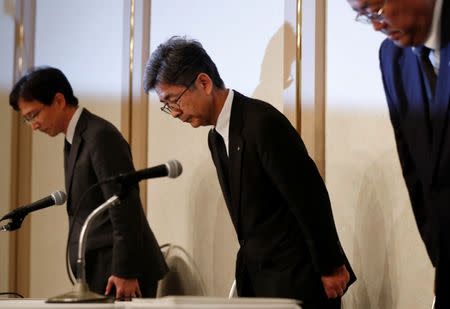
(59, 100)
(206, 83)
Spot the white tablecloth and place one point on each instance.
(170, 302)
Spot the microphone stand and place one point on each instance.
(81, 292)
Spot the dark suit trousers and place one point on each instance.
(245, 289)
(443, 273)
(328, 304)
(98, 270)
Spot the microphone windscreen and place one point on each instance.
(59, 197)
(174, 168)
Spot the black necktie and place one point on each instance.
(428, 69)
(223, 157)
(67, 146)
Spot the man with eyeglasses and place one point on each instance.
(274, 193)
(123, 258)
(415, 66)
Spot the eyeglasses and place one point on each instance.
(175, 104)
(31, 117)
(370, 17)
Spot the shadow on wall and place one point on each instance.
(281, 44)
(388, 252)
(373, 214)
(374, 246)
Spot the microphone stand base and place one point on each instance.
(80, 294)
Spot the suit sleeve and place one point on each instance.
(110, 155)
(296, 177)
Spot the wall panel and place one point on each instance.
(7, 12)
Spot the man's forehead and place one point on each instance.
(26, 106)
(165, 90)
(363, 5)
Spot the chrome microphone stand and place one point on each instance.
(81, 292)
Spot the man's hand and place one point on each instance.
(125, 288)
(336, 283)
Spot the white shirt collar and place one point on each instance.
(73, 124)
(223, 121)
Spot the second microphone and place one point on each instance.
(171, 169)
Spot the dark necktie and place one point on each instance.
(223, 157)
(67, 146)
(430, 76)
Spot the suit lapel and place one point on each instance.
(405, 88)
(418, 113)
(74, 150)
(236, 148)
(441, 102)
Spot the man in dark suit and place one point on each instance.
(122, 255)
(415, 65)
(276, 198)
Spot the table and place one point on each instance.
(168, 302)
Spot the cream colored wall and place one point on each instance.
(370, 202)
(245, 39)
(6, 81)
(87, 47)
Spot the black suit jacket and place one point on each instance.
(278, 204)
(422, 134)
(99, 151)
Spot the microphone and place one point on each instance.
(56, 198)
(172, 169)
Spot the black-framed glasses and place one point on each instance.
(370, 17)
(31, 117)
(168, 106)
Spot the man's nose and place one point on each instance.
(176, 113)
(379, 26)
(35, 125)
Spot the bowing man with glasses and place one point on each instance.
(415, 67)
(123, 258)
(276, 198)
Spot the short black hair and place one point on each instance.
(41, 84)
(177, 62)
